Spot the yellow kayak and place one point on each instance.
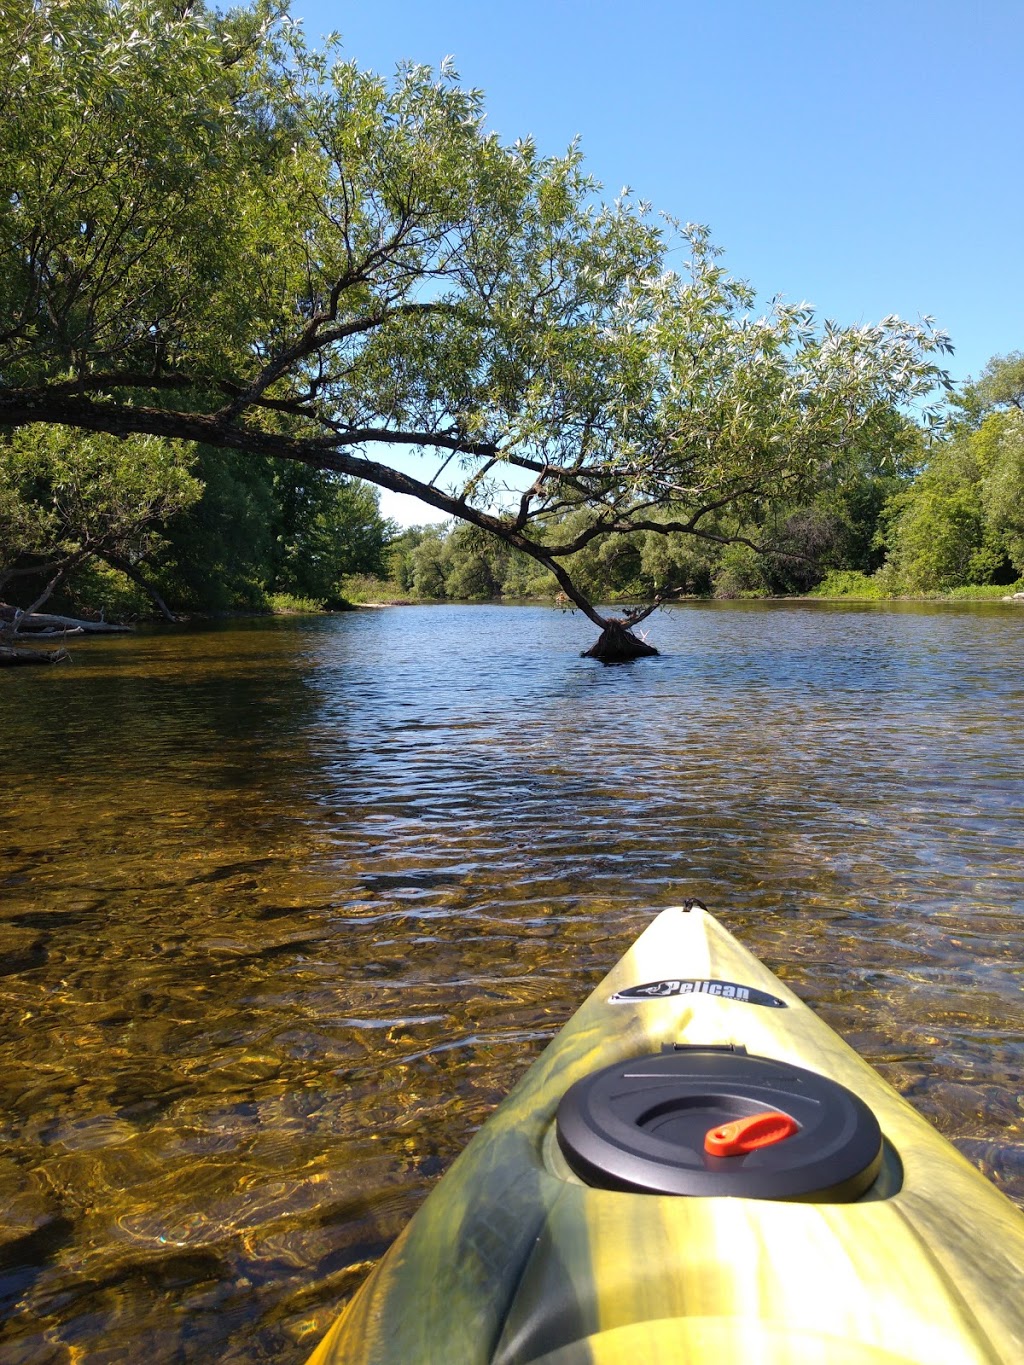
(698, 1169)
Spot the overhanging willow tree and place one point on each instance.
(212, 233)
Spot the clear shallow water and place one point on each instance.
(287, 906)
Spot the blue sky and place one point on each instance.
(865, 157)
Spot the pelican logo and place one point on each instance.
(725, 990)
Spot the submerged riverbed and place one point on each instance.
(286, 906)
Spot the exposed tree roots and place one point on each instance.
(617, 645)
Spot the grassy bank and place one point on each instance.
(849, 585)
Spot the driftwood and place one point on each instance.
(11, 658)
(43, 626)
(56, 625)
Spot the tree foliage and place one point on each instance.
(962, 519)
(67, 499)
(265, 527)
(212, 233)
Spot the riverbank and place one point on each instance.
(850, 588)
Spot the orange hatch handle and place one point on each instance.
(747, 1135)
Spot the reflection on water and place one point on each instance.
(287, 906)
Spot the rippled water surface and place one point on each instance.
(286, 906)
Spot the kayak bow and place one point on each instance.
(697, 1168)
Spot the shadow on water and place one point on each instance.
(287, 906)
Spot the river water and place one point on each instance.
(286, 906)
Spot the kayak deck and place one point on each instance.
(513, 1259)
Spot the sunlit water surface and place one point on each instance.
(286, 907)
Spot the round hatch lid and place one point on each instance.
(654, 1124)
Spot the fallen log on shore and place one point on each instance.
(48, 632)
(43, 621)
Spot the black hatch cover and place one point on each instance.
(651, 1124)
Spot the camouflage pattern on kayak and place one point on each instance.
(513, 1259)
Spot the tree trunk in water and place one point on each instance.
(617, 644)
